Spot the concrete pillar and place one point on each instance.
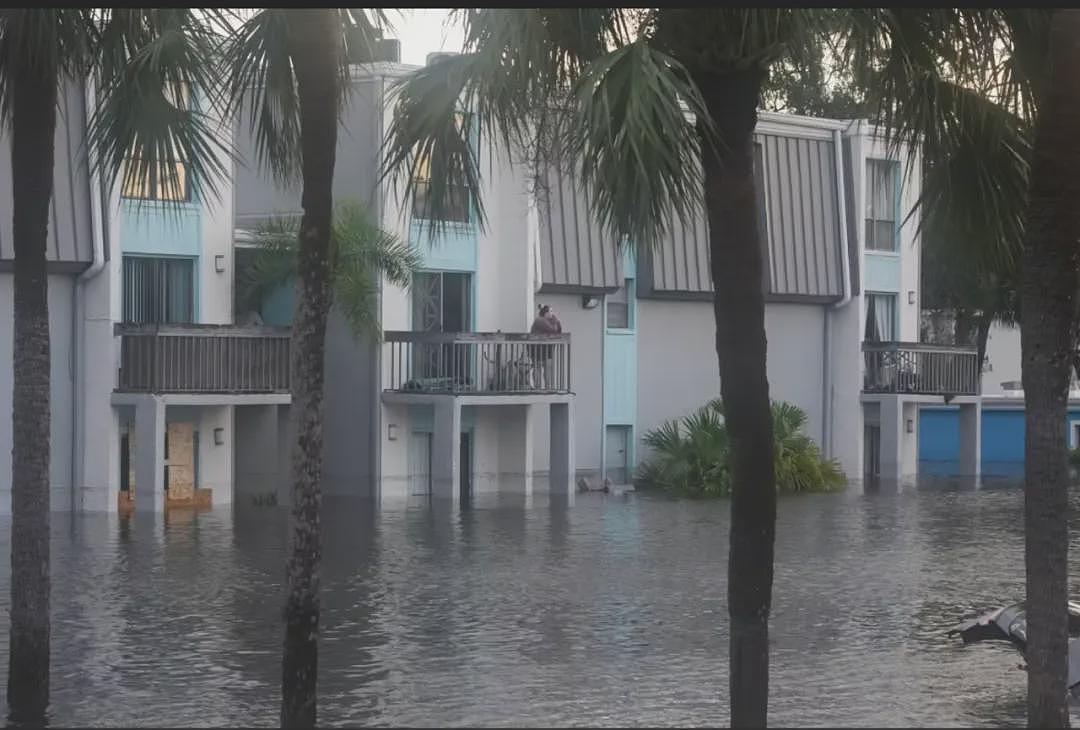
(909, 443)
(446, 450)
(562, 465)
(892, 438)
(150, 454)
(970, 439)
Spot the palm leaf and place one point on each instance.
(154, 61)
(360, 253)
(639, 120)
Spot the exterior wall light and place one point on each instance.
(590, 301)
(391, 432)
(219, 263)
(219, 436)
(910, 426)
(911, 296)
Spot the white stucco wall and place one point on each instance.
(1003, 358)
(504, 299)
(586, 380)
(678, 370)
(61, 290)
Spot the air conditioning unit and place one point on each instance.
(437, 56)
(389, 50)
(359, 51)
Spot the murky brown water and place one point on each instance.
(610, 611)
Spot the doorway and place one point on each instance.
(872, 451)
(419, 463)
(442, 302)
(465, 468)
(616, 450)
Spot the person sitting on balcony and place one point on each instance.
(546, 323)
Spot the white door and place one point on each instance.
(419, 463)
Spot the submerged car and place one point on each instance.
(1009, 623)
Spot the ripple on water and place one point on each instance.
(607, 612)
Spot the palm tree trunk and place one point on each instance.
(312, 35)
(739, 305)
(1048, 311)
(33, 121)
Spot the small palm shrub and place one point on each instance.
(690, 455)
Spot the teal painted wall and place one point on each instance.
(454, 250)
(882, 272)
(620, 369)
(151, 228)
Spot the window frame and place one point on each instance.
(629, 286)
(869, 223)
(894, 324)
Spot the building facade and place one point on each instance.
(161, 397)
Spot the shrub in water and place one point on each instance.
(690, 455)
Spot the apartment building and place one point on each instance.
(160, 398)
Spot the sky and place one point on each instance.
(423, 31)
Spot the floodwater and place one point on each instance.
(607, 611)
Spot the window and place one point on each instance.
(169, 182)
(619, 316)
(457, 198)
(158, 290)
(441, 302)
(880, 318)
(882, 204)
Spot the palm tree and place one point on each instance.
(1048, 342)
(360, 252)
(995, 126)
(39, 51)
(287, 73)
(662, 103)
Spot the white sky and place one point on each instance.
(423, 31)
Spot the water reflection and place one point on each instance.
(599, 610)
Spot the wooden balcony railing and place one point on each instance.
(477, 362)
(905, 367)
(199, 358)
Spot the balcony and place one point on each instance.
(918, 369)
(477, 363)
(200, 358)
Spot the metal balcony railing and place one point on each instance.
(199, 358)
(906, 367)
(477, 362)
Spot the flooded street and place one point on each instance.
(608, 611)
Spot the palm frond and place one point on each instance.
(260, 87)
(149, 118)
(360, 253)
(360, 244)
(512, 80)
(636, 110)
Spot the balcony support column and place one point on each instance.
(970, 438)
(562, 466)
(446, 450)
(150, 454)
